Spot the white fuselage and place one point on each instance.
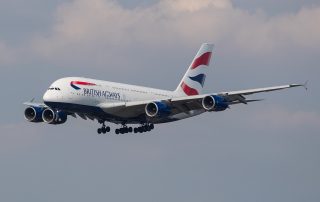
(101, 92)
(84, 95)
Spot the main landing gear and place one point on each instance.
(123, 130)
(104, 129)
(143, 128)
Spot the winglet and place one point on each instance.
(305, 85)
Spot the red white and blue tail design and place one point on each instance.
(193, 81)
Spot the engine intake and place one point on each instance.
(157, 109)
(54, 117)
(214, 103)
(34, 114)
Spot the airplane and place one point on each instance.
(125, 104)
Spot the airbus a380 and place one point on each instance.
(125, 104)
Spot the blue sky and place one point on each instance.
(265, 151)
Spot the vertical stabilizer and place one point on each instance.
(192, 82)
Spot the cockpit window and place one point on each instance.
(54, 88)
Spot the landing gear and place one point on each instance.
(104, 129)
(123, 130)
(144, 128)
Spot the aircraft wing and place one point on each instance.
(188, 103)
(239, 95)
(235, 97)
(260, 90)
(33, 104)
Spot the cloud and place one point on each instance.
(194, 5)
(84, 27)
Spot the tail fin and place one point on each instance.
(193, 81)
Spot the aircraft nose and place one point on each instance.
(47, 97)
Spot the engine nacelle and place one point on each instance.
(34, 114)
(51, 116)
(214, 103)
(157, 109)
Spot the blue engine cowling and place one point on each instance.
(51, 116)
(34, 114)
(157, 109)
(214, 103)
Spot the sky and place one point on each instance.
(266, 151)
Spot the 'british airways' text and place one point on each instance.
(101, 93)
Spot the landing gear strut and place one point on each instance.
(104, 129)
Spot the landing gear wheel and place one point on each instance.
(104, 129)
(145, 128)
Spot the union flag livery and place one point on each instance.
(193, 81)
(76, 84)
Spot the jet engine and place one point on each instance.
(214, 103)
(157, 109)
(51, 116)
(33, 114)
